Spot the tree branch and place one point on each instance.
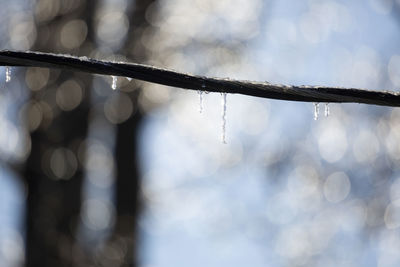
(195, 82)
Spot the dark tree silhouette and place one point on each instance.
(124, 235)
(54, 200)
(54, 197)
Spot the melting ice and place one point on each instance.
(8, 74)
(200, 100)
(327, 109)
(316, 111)
(114, 82)
(223, 102)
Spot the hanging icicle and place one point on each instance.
(316, 111)
(200, 93)
(223, 102)
(8, 74)
(114, 82)
(327, 111)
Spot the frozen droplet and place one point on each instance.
(200, 101)
(316, 111)
(327, 109)
(114, 82)
(8, 74)
(223, 102)
(203, 86)
(129, 78)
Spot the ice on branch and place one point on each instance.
(8, 74)
(316, 111)
(223, 102)
(114, 82)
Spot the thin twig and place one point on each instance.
(195, 82)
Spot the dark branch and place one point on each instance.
(194, 82)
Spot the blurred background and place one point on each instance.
(139, 176)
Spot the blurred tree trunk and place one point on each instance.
(124, 236)
(54, 174)
(54, 199)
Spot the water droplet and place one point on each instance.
(327, 109)
(200, 101)
(223, 102)
(114, 82)
(316, 111)
(129, 78)
(8, 74)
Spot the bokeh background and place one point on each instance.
(140, 177)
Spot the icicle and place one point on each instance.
(200, 93)
(316, 111)
(114, 82)
(327, 109)
(8, 74)
(200, 101)
(223, 102)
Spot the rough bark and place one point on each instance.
(303, 93)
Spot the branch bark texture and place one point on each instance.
(195, 82)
